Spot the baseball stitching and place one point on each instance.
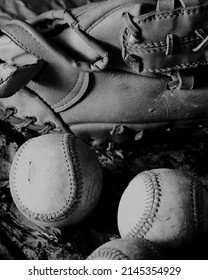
(114, 254)
(108, 253)
(13, 176)
(72, 160)
(75, 182)
(153, 188)
(197, 211)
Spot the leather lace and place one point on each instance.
(21, 125)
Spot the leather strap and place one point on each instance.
(66, 17)
(130, 24)
(169, 5)
(181, 80)
(67, 84)
(200, 32)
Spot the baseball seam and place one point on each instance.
(75, 182)
(108, 253)
(197, 211)
(12, 180)
(72, 156)
(154, 192)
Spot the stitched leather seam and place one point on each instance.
(138, 51)
(19, 42)
(161, 45)
(178, 67)
(167, 15)
(72, 159)
(109, 254)
(127, 49)
(75, 179)
(66, 97)
(91, 27)
(88, 8)
(58, 107)
(13, 174)
(152, 184)
(161, 49)
(197, 211)
(36, 55)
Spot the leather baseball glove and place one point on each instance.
(107, 71)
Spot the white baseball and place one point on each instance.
(55, 180)
(127, 249)
(165, 206)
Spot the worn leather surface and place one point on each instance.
(167, 40)
(24, 9)
(92, 103)
(103, 21)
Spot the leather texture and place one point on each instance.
(92, 76)
(166, 40)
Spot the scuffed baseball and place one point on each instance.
(165, 206)
(55, 180)
(127, 249)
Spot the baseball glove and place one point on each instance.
(107, 71)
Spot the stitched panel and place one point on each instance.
(108, 254)
(153, 188)
(68, 85)
(184, 30)
(74, 178)
(197, 209)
